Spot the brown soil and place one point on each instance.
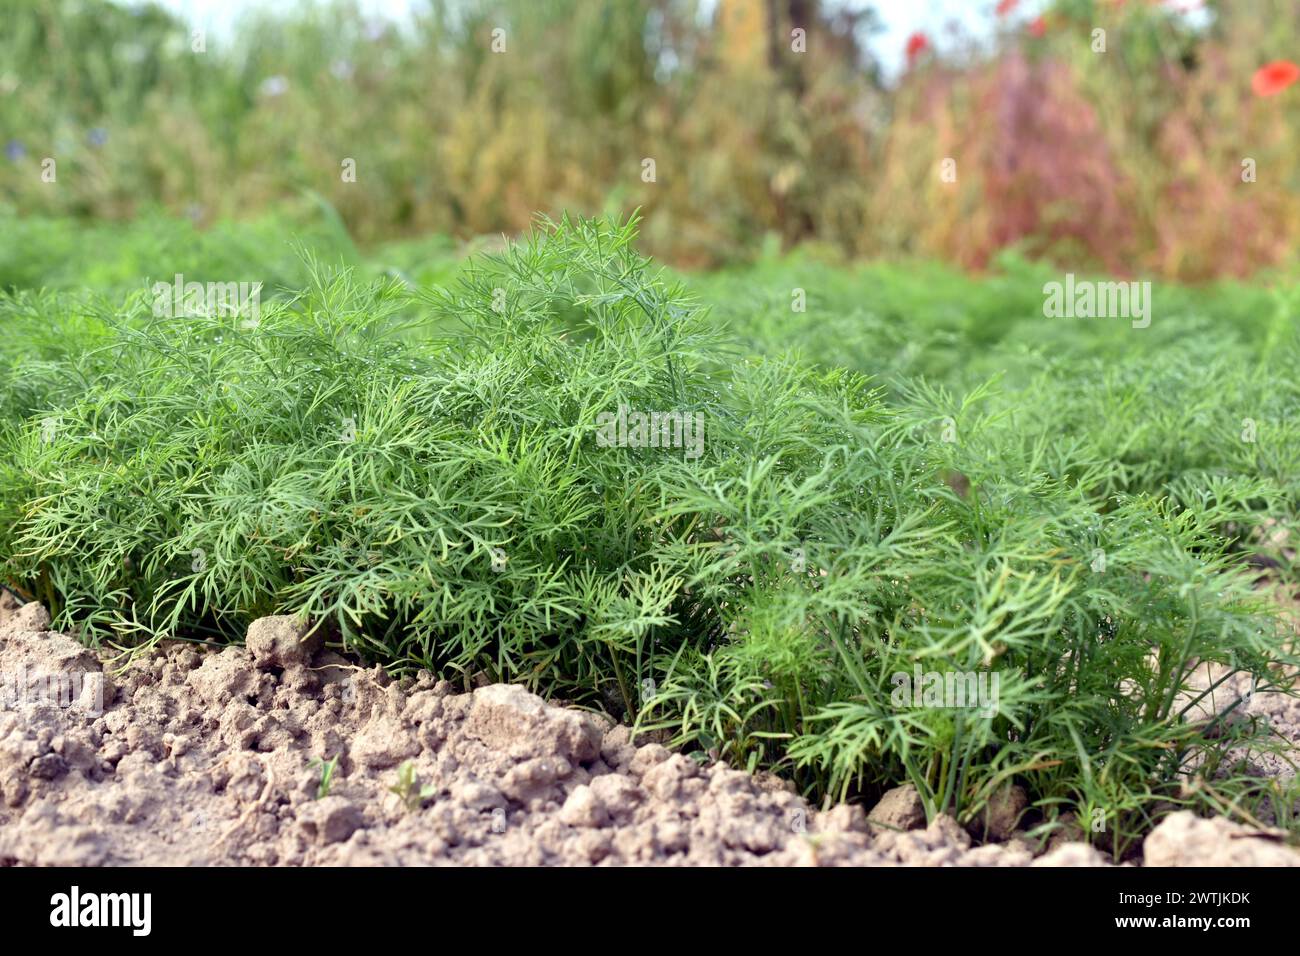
(201, 756)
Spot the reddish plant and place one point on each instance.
(1037, 169)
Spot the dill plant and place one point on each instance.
(415, 470)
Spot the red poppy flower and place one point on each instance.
(1038, 27)
(1273, 78)
(1006, 6)
(917, 44)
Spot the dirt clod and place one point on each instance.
(583, 809)
(899, 809)
(1003, 812)
(281, 641)
(330, 819)
(1184, 839)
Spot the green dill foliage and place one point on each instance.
(417, 468)
(1209, 389)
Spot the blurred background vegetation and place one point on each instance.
(1128, 160)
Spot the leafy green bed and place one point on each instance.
(421, 469)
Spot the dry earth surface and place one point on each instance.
(203, 756)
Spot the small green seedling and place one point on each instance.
(408, 787)
(327, 768)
